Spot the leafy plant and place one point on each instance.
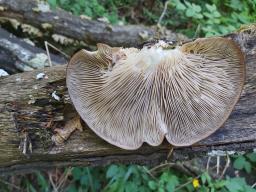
(245, 162)
(90, 8)
(215, 17)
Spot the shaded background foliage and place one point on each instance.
(211, 17)
(194, 19)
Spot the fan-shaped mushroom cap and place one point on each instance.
(131, 96)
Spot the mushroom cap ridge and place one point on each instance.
(131, 96)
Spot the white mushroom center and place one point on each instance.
(147, 59)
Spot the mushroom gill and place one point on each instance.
(129, 96)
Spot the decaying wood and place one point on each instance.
(18, 55)
(31, 109)
(59, 22)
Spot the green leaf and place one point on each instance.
(161, 189)
(84, 180)
(203, 178)
(235, 184)
(130, 187)
(71, 188)
(203, 189)
(251, 157)
(76, 173)
(172, 183)
(188, 4)
(145, 176)
(143, 189)
(211, 8)
(216, 14)
(152, 185)
(30, 187)
(223, 30)
(131, 169)
(206, 177)
(180, 6)
(209, 15)
(52, 3)
(190, 187)
(165, 177)
(249, 189)
(113, 187)
(199, 16)
(196, 8)
(239, 162)
(116, 186)
(190, 13)
(81, 3)
(42, 181)
(235, 4)
(63, 2)
(112, 171)
(219, 184)
(248, 167)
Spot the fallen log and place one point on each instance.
(31, 108)
(18, 55)
(37, 18)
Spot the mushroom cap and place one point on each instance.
(129, 96)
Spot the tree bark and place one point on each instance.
(17, 55)
(59, 22)
(29, 113)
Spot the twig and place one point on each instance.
(208, 163)
(254, 185)
(190, 169)
(170, 153)
(148, 172)
(218, 165)
(64, 177)
(48, 53)
(55, 189)
(161, 166)
(55, 48)
(163, 13)
(225, 168)
(46, 44)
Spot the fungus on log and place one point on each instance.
(30, 109)
(129, 96)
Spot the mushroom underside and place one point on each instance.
(130, 96)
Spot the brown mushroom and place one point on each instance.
(130, 96)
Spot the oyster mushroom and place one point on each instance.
(129, 96)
